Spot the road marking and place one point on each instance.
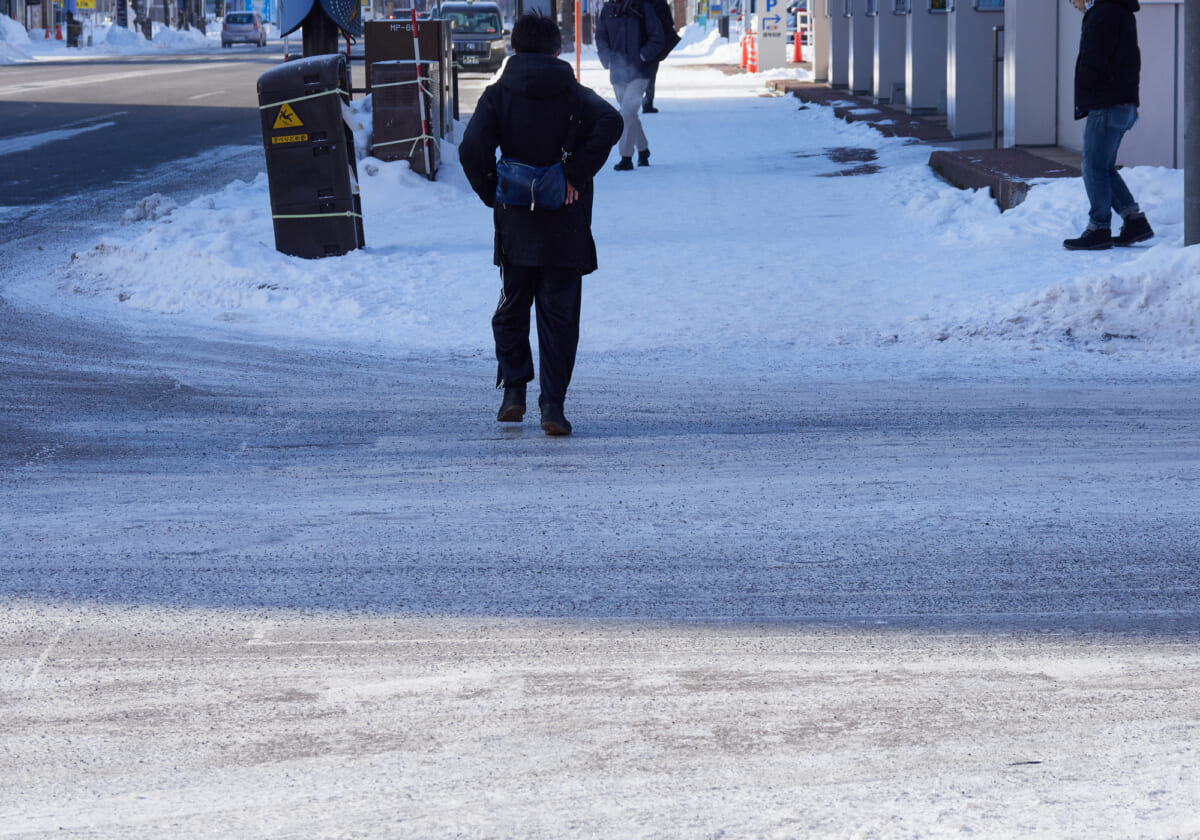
(206, 95)
(26, 142)
(45, 655)
(142, 73)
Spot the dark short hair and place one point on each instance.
(535, 33)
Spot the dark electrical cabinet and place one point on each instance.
(392, 40)
(396, 110)
(311, 170)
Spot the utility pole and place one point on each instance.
(1191, 123)
(321, 35)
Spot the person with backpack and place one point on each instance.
(629, 38)
(663, 10)
(554, 135)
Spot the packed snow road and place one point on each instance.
(879, 519)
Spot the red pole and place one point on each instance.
(421, 95)
(578, 37)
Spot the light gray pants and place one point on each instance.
(629, 100)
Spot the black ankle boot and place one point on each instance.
(1092, 239)
(553, 421)
(512, 409)
(625, 164)
(1135, 229)
(644, 157)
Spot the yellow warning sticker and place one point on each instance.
(287, 118)
(289, 138)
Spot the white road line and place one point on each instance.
(206, 95)
(26, 142)
(45, 655)
(260, 633)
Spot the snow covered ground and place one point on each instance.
(760, 230)
(879, 518)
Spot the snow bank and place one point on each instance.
(16, 45)
(705, 44)
(14, 42)
(122, 41)
(1149, 293)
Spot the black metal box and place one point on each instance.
(397, 88)
(311, 171)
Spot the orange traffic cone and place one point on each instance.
(58, 32)
(797, 52)
(745, 49)
(753, 58)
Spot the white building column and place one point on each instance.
(889, 54)
(969, 66)
(925, 59)
(1030, 68)
(861, 76)
(839, 43)
(818, 40)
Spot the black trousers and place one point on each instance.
(557, 294)
(648, 98)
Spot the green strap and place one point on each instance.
(302, 98)
(344, 215)
(421, 82)
(413, 140)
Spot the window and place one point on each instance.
(476, 23)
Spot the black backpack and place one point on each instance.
(663, 10)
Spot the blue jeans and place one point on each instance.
(1106, 191)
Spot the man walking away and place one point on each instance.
(629, 37)
(1107, 75)
(538, 115)
(663, 10)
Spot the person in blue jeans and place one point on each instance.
(1107, 77)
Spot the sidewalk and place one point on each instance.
(969, 164)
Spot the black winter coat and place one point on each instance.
(1109, 67)
(526, 115)
(629, 39)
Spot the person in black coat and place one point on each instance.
(1107, 77)
(543, 254)
(629, 39)
(663, 10)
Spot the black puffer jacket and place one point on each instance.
(1108, 70)
(629, 39)
(526, 114)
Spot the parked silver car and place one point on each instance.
(243, 28)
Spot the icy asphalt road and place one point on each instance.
(293, 592)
